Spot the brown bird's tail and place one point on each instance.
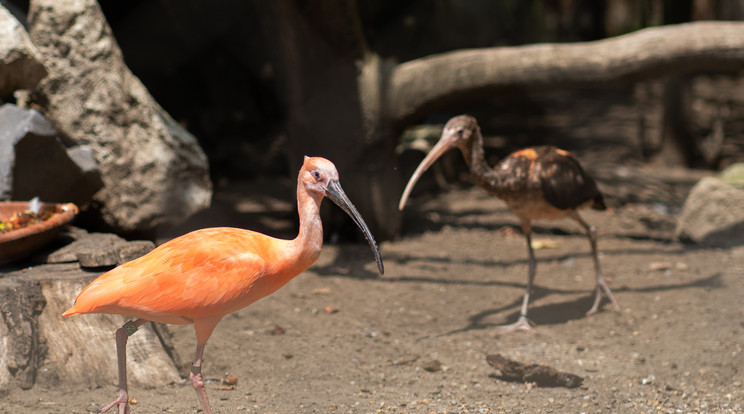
(599, 203)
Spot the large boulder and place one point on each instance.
(154, 172)
(713, 214)
(35, 163)
(20, 64)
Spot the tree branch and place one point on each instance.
(425, 84)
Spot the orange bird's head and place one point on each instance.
(320, 177)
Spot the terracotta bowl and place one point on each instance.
(21, 243)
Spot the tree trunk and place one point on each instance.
(331, 90)
(40, 347)
(22, 351)
(423, 85)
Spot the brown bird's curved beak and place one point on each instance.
(445, 144)
(336, 194)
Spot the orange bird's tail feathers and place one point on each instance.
(71, 311)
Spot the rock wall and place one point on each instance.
(153, 170)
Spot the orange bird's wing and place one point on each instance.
(209, 272)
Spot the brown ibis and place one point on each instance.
(535, 183)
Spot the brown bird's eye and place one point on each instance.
(316, 175)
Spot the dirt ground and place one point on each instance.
(339, 339)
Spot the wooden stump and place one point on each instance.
(39, 346)
(21, 348)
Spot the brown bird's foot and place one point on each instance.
(522, 324)
(122, 402)
(599, 291)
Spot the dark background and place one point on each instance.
(206, 63)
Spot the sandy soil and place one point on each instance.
(339, 339)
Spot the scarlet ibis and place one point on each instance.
(204, 275)
(536, 183)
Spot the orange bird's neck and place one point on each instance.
(303, 251)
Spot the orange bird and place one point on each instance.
(536, 183)
(204, 275)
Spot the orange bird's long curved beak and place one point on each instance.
(444, 144)
(335, 193)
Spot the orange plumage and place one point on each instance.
(204, 275)
(207, 272)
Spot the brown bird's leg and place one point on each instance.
(122, 335)
(601, 285)
(524, 323)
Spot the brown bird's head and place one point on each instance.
(459, 132)
(320, 176)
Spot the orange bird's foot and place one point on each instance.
(197, 380)
(523, 324)
(122, 402)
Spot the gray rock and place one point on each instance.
(94, 250)
(20, 64)
(154, 172)
(35, 163)
(713, 214)
(15, 124)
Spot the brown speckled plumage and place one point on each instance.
(536, 183)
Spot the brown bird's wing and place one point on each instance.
(565, 184)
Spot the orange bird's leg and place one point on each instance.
(197, 380)
(122, 335)
(601, 285)
(523, 322)
(203, 328)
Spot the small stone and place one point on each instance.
(277, 330)
(330, 309)
(230, 380)
(432, 366)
